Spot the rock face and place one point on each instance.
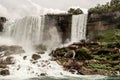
(63, 24)
(97, 23)
(6, 58)
(2, 21)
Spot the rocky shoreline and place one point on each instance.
(6, 59)
(90, 58)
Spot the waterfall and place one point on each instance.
(26, 30)
(31, 31)
(79, 27)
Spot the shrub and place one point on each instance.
(75, 11)
(83, 54)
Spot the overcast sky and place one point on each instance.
(65, 4)
(19, 8)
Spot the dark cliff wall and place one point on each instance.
(62, 22)
(97, 23)
(2, 21)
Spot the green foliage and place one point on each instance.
(83, 54)
(106, 55)
(113, 45)
(110, 36)
(60, 53)
(100, 66)
(108, 7)
(117, 67)
(75, 11)
(113, 2)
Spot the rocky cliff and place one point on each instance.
(2, 21)
(98, 23)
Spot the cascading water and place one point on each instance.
(79, 27)
(28, 32)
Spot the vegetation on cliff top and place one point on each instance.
(108, 7)
(74, 11)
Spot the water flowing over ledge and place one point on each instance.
(30, 33)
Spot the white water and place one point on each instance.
(79, 27)
(25, 31)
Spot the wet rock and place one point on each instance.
(72, 71)
(7, 60)
(3, 66)
(43, 65)
(43, 74)
(24, 57)
(71, 64)
(85, 71)
(34, 62)
(36, 56)
(4, 72)
(10, 60)
(9, 50)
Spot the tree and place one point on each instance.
(113, 2)
(75, 11)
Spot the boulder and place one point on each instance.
(85, 71)
(71, 64)
(4, 72)
(43, 74)
(36, 56)
(24, 57)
